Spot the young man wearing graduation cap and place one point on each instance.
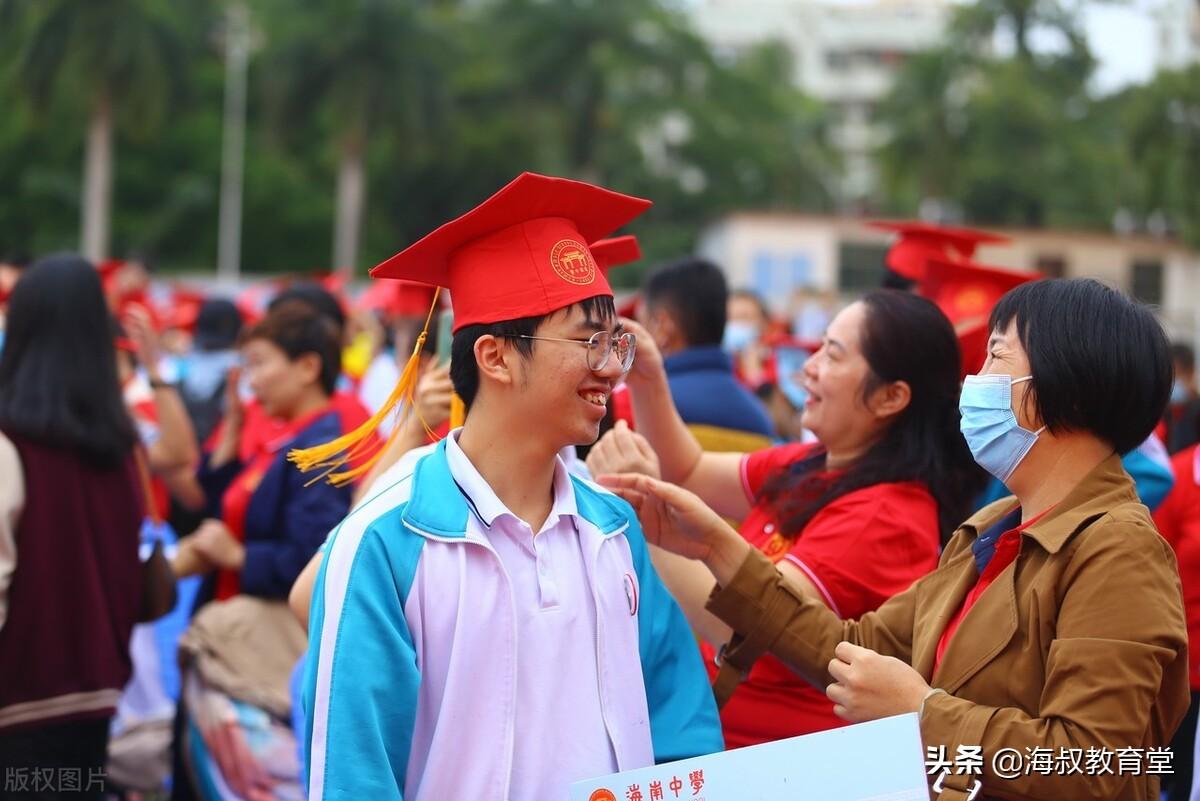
(491, 627)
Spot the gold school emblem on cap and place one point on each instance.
(572, 262)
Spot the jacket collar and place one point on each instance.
(438, 507)
(1105, 487)
(701, 357)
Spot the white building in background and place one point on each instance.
(776, 254)
(1178, 33)
(846, 55)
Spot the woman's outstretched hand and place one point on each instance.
(678, 521)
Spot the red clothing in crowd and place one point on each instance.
(1178, 519)
(858, 551)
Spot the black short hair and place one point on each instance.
(318, 298)
(296, 329)
(694, 293)
(217, 325)
(1183, 355)
(1100, 360)
(464, 372)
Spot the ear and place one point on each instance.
(309, 365)
(666, 332)
(890, 399)
(493, 357)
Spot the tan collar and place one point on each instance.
(1108, 485)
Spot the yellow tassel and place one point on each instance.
(458, 411)
(358, 446)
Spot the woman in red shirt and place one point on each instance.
(854, 518)
(1178, 520)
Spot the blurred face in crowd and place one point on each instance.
(1184, 387)
(280, 384)
(745, 311)
(838, 411)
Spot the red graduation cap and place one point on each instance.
(520, 253)
(920, 241)
(397, 298)
(185, 306)
(523, 252)
(966, 291)
(615, 251)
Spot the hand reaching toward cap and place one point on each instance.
(623, 450)
(648, 363)
(678, 521)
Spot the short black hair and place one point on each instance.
(1183, 355)
(464, 372)
(318, 298)
(296, 329)
(218, 324)
(1100, 360)
(694, 293)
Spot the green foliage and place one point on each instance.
(1018, 140)
(449, 99)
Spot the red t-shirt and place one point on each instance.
(1178, 518)
(858, 551)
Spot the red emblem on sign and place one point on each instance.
(572, 262)
(602, 795)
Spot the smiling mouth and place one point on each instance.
(595, 398)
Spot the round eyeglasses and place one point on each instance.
(600, 346)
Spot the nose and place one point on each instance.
(810, 365)
(612, 368)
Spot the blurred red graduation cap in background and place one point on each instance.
(919, 242)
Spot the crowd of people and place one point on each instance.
(485, 529)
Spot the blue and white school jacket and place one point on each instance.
(406, 581)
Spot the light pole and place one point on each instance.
(233, 142)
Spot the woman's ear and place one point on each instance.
(309, 365)
(492, 357)
(891, 399)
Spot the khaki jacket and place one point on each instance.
(1080, 643)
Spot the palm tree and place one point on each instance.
(122, 56)
(359, 65)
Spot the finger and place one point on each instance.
(643, 447)
(615, 481)
(848, 651)
(839, 670)
(606, 457)
(838, 693)
(670, 494)
(842, 712)
(622, 438)
(636, 499)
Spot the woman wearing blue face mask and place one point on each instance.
(1054, 619)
